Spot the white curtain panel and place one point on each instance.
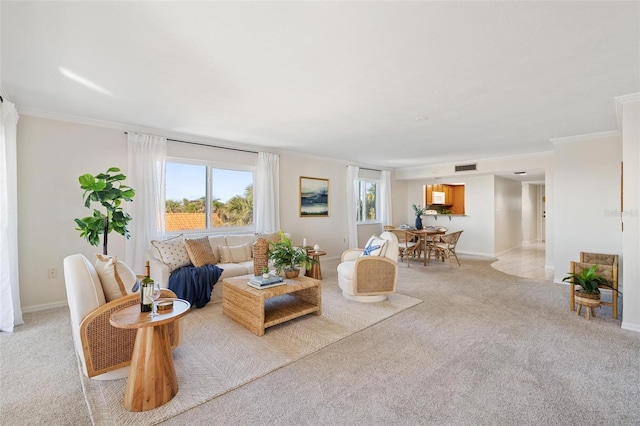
(352, 202)
(385, 198)
(146, 175)
(267, 193)
(10, 310)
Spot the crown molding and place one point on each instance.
(479, 161)
(136, 129)
(33, 112)
(621, 100)
(586, 137)
(220, 143)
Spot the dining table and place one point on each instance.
(424, 234)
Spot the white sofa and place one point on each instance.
(160, 271)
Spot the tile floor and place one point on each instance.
(526, 261)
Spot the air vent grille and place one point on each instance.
(466, 167)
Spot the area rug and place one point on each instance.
(218, 355)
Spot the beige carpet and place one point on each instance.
(218, 355)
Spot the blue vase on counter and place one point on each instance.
(418, 223)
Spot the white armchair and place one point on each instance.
(369, 278)
(104, 351)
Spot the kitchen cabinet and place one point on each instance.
(453, 197)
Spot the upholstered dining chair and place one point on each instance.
(444, 246)
(104, 351)
(369, 274)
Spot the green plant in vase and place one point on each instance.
(419, 212)
(588, 279)
(288, 258)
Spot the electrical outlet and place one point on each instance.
(52, 273)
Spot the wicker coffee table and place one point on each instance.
(256, 309)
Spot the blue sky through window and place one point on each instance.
(189, 181)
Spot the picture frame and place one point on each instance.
(314, 197)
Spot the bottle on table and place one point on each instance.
(146, 290)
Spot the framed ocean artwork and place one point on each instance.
(314, 197)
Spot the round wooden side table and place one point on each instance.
(315, 271)
(152, 378)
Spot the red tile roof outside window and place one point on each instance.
(187, 221)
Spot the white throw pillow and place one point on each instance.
(173, 252)
(116, 277)
(374, 247)
(235, 254)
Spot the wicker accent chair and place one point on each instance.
(607, 267)
(369, 278)
(444, 246)
(104, 351)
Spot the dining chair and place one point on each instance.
(408, 244)
(444, 246)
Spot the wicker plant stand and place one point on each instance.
(589, 301)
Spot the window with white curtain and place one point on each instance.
(203, 196)
(367, 206)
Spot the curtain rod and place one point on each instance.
(210, 146)
(364, 168)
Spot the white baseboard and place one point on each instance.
(44, 306)
(331, 258)
(474, 253)
(630, 327)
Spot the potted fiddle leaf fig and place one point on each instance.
(288, 258)
(109, 191)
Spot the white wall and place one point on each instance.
(586, 197)
(329, 232)
(399, 194)
(51, 156)
(540, 161)
(477, 223)
(631, 235)
(530, 197)
(508, 215)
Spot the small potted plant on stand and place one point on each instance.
(589, 294)
(288, 258)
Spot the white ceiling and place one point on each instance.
(389, 84)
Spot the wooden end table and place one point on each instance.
(256, 309)
(152, 378)
(315, 271)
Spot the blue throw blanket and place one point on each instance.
(194, 284)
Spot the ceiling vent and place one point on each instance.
(466, 167)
